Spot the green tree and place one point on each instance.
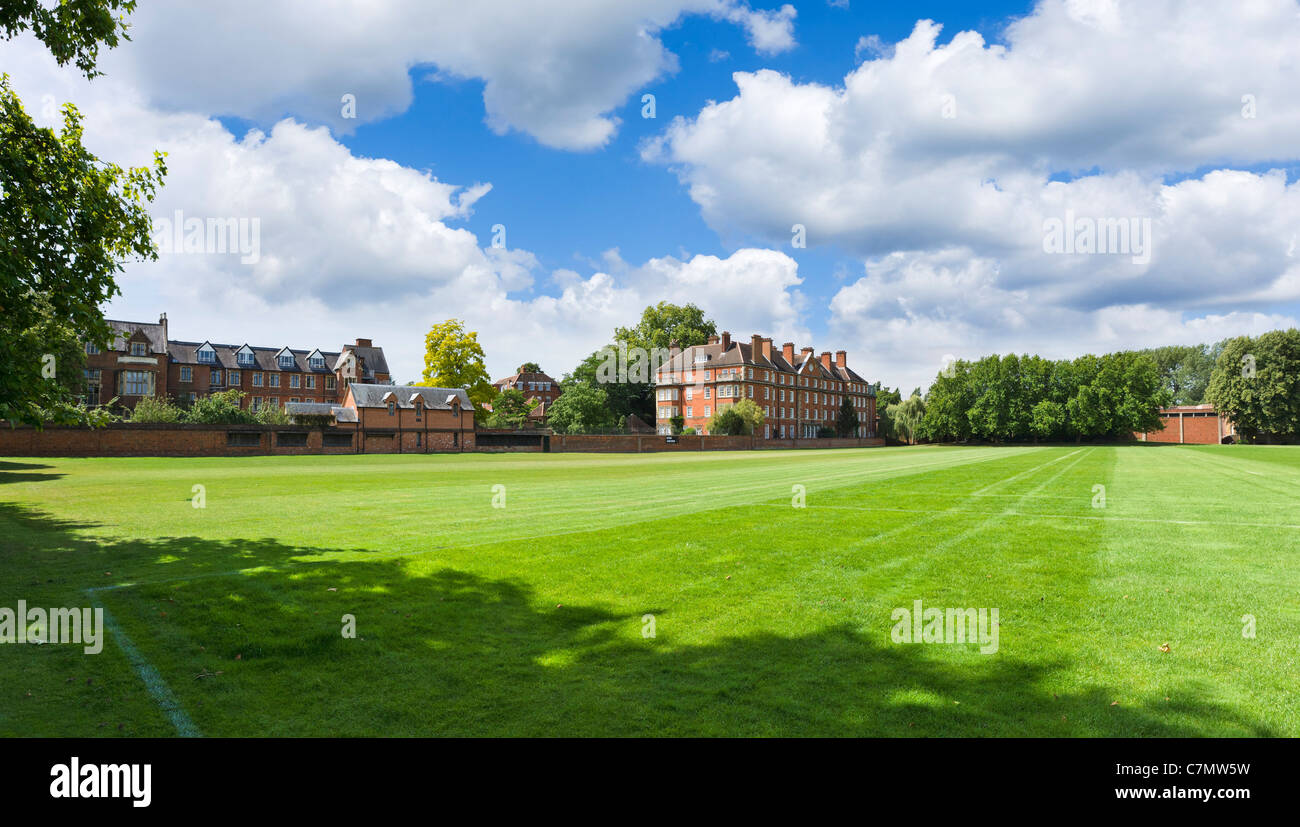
(727, 421)
(1256, 384)
(665, 323)
(947, 406)
(907, 417)
(581, 409)
(68, 221)
(751, 414)
(453, 358)
(1047, 418)
(846, 424)
(677, 423)
(530, 367)
(510, 409)
(73, 30)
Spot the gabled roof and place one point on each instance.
(339, 412)
(264, 358)
(376, 396)
(122, 332)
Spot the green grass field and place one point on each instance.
(768, 619)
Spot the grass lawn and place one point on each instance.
(768, 619)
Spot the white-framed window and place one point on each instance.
(275, 380)
(311, 382)
(207, 355)
(91, 349)
(187, 373)
(750, 389)
(257, 380)
(139, 349)
(295, 381)
(690, 411)
(708, 393)
(245, 358)
(317, 362)
(708, 411)
(286, 361)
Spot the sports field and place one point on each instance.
(522, 611)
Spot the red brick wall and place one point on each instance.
(1196, 430)
(128, 440)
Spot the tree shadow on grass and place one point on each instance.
(451, 652)
(455, 653)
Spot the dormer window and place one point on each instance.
(91, 349)
(701, 357)
(207, 355)
(246, 358)
(286, 361)
(138, 349)
(317, 362)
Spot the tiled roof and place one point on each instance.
(742, 353)
(340, 413)
(265, 358)
(372, 396)
(122, 331)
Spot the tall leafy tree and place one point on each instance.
(453, 358)
(664, 323)
(581, 409)
(68, 221)
(1256, 384)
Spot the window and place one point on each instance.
(707, 410)
(295, 381)
(214, 378)
(690, 411)
(286, 361)
(749, 373)
(701, 357)
(139, 349)
(136, 383)
(91, 349)
(311, 382)
(257, 403)
(330, 383)
(233, 378)
(294, 399)
(275, 380)
(245, 358)
(187, 373)
(257, 380)
(708, 393)
(419, 409)
(751, 391)
(392, 408)
(207, 355)
(92, 377)
(317, 362)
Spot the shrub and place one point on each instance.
(155, 409)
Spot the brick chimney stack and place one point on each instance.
(787, 351)
(755, 346)
(767, 349)
(826, 359)
(364, 343)
(726, 341)
(713, 340)
(805, 353)
(841, 359)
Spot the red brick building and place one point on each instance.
(142, 361)
(409, 419)
(532, 384)
(1191, 424)
(799, 393)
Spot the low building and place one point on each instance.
(799, 393)
(1191, 425)
(411, 419)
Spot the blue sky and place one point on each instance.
(926, 148)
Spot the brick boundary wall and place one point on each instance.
(157, 440)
